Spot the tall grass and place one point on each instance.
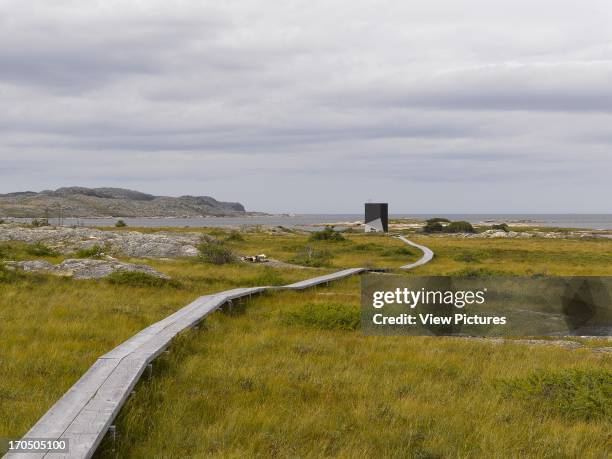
(233, 389)
(274, 382)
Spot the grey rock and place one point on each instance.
(83, 268)
(130, 243)
(31, 266)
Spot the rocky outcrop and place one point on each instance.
(110, 202)
(83, 268)
(492, 233)
(130, 243)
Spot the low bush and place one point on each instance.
(36, 223)
(438, 220)
(328, 234)
(434, 227)
(216, 253)
(459, 227)
(120, 224)
(572, 393)
(326, 316)
(140, 279)
(40, 250)
(92, 252)
(309, 256)
(234, 236)
(502, 227)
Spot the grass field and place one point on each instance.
(52, 328)
(290, 378)
(275, 382)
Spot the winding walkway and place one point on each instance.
(86, 412)
(427, 254)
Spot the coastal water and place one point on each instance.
(593, 221)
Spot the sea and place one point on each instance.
(590, 221)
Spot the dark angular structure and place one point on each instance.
(376, 217)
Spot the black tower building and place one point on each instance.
(376, 217)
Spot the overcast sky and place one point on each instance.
(313, 106)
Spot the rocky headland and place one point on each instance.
(111, 202)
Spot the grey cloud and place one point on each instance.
(270, 102)
(532, 87)
(71, 56)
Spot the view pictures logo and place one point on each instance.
(413, 298)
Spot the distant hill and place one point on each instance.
(110, 202)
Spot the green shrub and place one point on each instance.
(36, 223)
(234, 236)
(40, 250)
(120, 224)
(459, 227)
(327, 316)
(328, 234)
(438, 220)
(434, 227)
(140, 279)
(309, 256)
(216, 253)
(501, 226)
(572, 393)
(1, 221)
(93, 252)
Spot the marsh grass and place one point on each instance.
(273, 382)
(53, 328)
(10, 276)
(40, 250)
(234, 236)
(313, 257)
(215, 253)
(140, 279)
(19, 251)
(253, 384)
(558, 257)
(575, 394)
(326, 316)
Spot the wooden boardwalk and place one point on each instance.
(427, 254)
(85, 413)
